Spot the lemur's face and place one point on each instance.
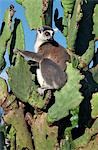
(45, 33)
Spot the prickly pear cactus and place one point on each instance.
(16, 41)
(83, 140)
(20, 39)
(37, 12)
(95, 20)
(73, 25)
(94, 105)
(64, 119)
(94, 72)
(3, 90)
(86, 58)
(47, 136)
(16, 119)
(20, 73)
(4, 38)
(32, 8)
(68, 7)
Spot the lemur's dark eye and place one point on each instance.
(47, 33)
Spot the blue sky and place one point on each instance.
(29, 35)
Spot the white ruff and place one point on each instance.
(40, 78)
(38, 43)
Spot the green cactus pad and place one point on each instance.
(33, 11)
(94, 105)
(94, 72)
(45, 137)
(17, 38)
(73, 26)
(3, 90)
(17, 120)
(19, 1)
(66, 143)
(95, 20)
(11, 137)
(35, 99)
(68, 97)
(83, 140)
(4, 37)
(20, 79)
(20, 41)
(75, 117)
(92, 145)
(86, 58)
(68, 5)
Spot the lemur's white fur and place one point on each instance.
(38, 43)
(40, 78)
(42, 82)
(41, 38)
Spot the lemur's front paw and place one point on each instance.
(41, 91)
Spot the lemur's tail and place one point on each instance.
(29, 55)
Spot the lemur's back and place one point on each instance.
(55, 52)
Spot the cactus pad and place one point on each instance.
(47, 139)
(95, 20)
(4, 37)
(3, 90)
(94, 105)
(20, 79)
(33, 11)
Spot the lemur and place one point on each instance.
(52, 58)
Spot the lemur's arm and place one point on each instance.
(29, 55)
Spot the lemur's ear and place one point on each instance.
(38, 30)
